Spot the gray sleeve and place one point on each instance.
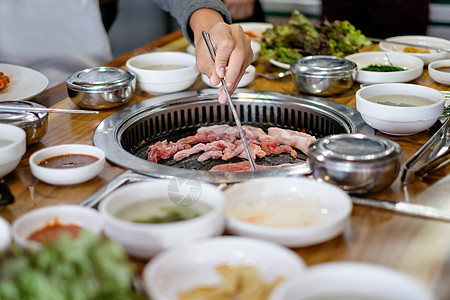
(182, 10)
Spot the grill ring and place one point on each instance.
(122, 134)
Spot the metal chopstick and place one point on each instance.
(6, 108)
(375, 40)
(212, 52)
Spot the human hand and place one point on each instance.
(233, 54)
(240, 9)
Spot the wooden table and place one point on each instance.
(412, 245)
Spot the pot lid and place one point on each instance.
(323, 65)
(99, 79)
(354, 148)
(22, 119)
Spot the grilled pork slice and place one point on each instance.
(220, 129)
(296, 139)
(188, 152)
(164, 150)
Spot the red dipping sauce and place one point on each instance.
(53, 231)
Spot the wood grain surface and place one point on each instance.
(415, 246)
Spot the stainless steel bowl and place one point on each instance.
(357, 163)
(323, 75)
(34, 124)
(101, 87)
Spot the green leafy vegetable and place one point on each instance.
(299, 37)
(382, 68)
(89, 267)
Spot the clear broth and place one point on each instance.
(163, 67)
(401, 100)
(160, 209)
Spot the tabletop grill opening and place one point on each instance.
(175, 116)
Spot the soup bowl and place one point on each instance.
(12, 147)
(163, 72)
(149, 217)
(399, 108)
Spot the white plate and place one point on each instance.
(280, 64)
(413, 66)
(419, 40)
(256, 28)
(351, 280)
(186, 267)
(5, 234)
(310, 194)
(25, 83)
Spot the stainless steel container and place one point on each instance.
(357, 163)
(35, 124)
(323, 75)
(101, 87)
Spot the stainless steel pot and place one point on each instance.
(323, 75)
(34, 124)
(358, 163)
(101, 87)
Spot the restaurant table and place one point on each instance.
(415, 246)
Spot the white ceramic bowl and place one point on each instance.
(143, 240)
(399, 120)
(413, 66)
(256, 48)
(39, 218)
(418, 40)
(172, 71)
(288, 199)
(67, 176)
(248, 77)
(351, 280)
(184, 268)
(437, 75)
(12, 147)
(5, 235)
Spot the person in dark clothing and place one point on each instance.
(380, 18)
(245, 10)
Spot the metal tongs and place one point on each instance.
(212, 52)
(435, 153)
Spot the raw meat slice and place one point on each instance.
(188, 152)
(214, 154)
(245, 166)
(296, 139)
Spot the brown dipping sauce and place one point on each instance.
(66, 161)
(53, 231)
(443, 69)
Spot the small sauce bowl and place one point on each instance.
(69, 172)
(439, 71)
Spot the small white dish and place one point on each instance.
(273, 209)
(351, 280)
(163, 72)
(413, 66)
(439, 75)
(144, 240)
(36, 219)
(25, 83)
(70, 175)
(399, 120)
(427, 58)
(12, 147)
(248, 77)
(280, 64)
(5, 235)
(193, 265)
(255, 29)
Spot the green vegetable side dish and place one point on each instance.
(382, 68)
(90, 267)
(172, 214)
(299, 37)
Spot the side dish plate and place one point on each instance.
(25, 83)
